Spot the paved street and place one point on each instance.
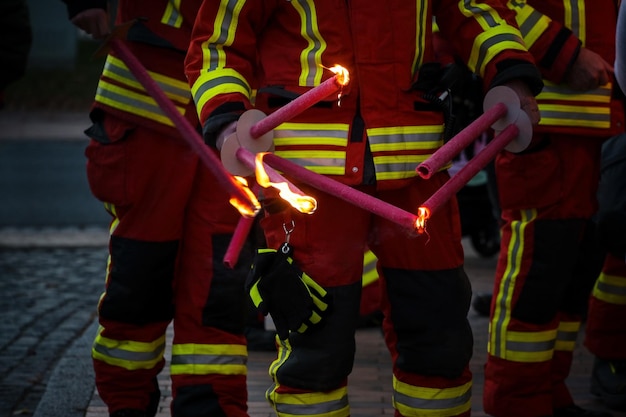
(47, 301)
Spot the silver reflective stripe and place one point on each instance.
(127, 102)
(611, 289)
(575, 16)
(494, 40)
(315, 135)
(379, 141)
(209, 359)
(315, 43)
(478, 11)
(602, 93)
(315, 162)
(215, 45)
(507, 285)
(530, 346)
(313, 409)
(174, 19)
(434, 403)
(530, 23)
(127, 77)
(565, 336)
(128, 355)
(395, 167)
(216, 82)
(577, 116)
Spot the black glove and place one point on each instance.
(290, 296)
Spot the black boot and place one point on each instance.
(608, 381)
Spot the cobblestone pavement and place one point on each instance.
(47, 300)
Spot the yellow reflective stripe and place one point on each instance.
(575, 18)
(370, 274)
(110, 207)
(483, 13)
(172, 16)
(311, 56)
(284, 351)
(212, 83)
(128, 354)
(132, 102)
(330, 403)
(530, 346)
(566, 336)
(224, 28)
(610, 289)
(404, 130)
(288, 134)
(532, 24)
(322, 162)
(553, 91)
(415, 401)
(173, 88)
(491, 43)
(420, 34)
(502, 312)
(405, 138)
(197, 359)
(580, 116)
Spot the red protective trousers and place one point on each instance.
(170, 228)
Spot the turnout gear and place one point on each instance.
(372, 140)
(171, 224)
(549, 258)
(278, 287)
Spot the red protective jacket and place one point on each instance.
(120, 94)
(554, 32)
(382, 47)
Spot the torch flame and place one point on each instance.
(343, 76)
(303, 203)
(244, 208)
(423, 213)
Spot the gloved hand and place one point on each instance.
(290, 296)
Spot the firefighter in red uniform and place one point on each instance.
(548, 196)
(372, 139)
(605, 331)
(170, 228)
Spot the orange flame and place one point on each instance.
(343, 76)
(303, 203)
(423, 213)
(244, 208)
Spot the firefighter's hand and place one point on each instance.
(589, 71)
(94, 22)
(276, 286)
(528, 103)
(226, 131)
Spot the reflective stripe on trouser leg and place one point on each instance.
(311, 370)
(209, 353)
(605, 332)
(134, 313)
(534, 272)
(430, 340)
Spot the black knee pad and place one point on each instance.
(139, 288)
(322, 357)
(556, 246)
(226, 307)
(429, 316)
